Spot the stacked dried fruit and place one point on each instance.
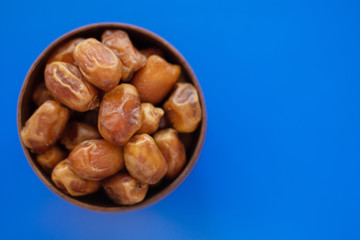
(116, 151)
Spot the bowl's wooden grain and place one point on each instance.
(141, 38)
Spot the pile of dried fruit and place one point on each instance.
(123, 151)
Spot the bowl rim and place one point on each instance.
(199, 145)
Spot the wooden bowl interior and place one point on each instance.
(142, 39)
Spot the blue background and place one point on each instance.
(281, 157)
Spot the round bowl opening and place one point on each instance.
(141, 38)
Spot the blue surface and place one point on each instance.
(281, 157)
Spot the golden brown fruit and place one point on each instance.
(183, 108)
(68, 86)
(150, 118)
(65, 52)
(155, 79)
(41, 94)
(144, 160)
(77, 132)
(123, 189)
(152, 51)
(98, 64)
(119, 114)
(131, 59)
(45, 126)
(96, 159)
(69, 182)
(50, 158)
(173, 150)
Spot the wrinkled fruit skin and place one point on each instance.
(173, 150)
(147, 52)
(44, 128)
(123, 189)
(77, 132)
(144, 160)
(50, 158)
(183, 109)
(98, 64)
(41, 95)
(65, 52)
(119, 114)
(131, 59)
(155, 79)
(150, 118)
(68, 86)
(96, 159)
(67, 181)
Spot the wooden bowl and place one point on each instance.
(141, 38)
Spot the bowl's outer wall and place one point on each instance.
(141, 38)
